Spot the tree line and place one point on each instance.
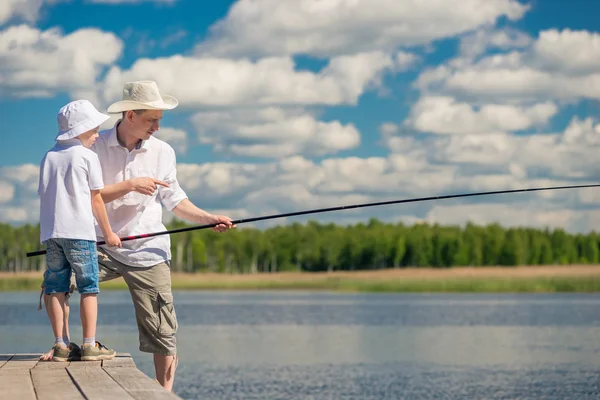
(315, 246)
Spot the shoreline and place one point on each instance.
(523, 279)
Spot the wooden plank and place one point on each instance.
(23, 376)
(16, 384)
(85, 364)
(22, 361)
(51, 365)
(151, 395)
(27, 356)
(54, 384)
(118, 362)
(121, 360)
(138, 384)
(95, 383)
(4, 358)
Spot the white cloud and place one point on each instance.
(296, 183)
(582, 133)
(567, 155)
(177, 138)
(558, 65)
(568, 51)
(27, 10)
(273, 132)
(36, 63)
(493, 149)
(258, 107)
(19, 201)
(333, 27)
(476, 43)
(219, 183)
(564, 156)
(269, 81)
(7, 191)
(530, 214)
(131, 1)
(18, 215)
(25, 177)
(444, 115)
(388, 129)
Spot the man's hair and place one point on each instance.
(138, 112)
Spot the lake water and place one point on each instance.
(277, 345)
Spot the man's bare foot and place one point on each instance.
(47, 356)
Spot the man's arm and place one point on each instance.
(188, 211)
(145, 186)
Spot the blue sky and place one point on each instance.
(296, 105)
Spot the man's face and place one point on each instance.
(89, 138)
(145, 124)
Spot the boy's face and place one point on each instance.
(145, 123)
(89, 138)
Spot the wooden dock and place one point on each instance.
(24, 377)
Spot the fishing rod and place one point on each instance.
(322, 210)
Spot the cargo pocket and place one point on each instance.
(167, 319)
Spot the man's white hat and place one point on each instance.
(77, 117)
(142, 95)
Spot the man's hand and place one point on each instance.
(224, 222)
(188, 211)
(146, 186)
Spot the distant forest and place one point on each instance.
(328, 247)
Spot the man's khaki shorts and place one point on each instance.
(150, 289)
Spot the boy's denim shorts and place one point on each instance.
(67, 256)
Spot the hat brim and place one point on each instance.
(168, 103)
(94, 121)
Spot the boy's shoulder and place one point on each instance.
(88, 153)
(73, 155)
(82, 152)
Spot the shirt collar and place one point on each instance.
(69, 142)
(113, 142)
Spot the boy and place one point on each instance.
(69, 190)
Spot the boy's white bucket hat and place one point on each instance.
(142, 95)
(77, 117)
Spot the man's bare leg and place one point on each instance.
(164, 367)
(66, 311)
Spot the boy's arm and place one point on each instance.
(99, 210)
(145, 186)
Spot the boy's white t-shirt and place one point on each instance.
(68, 173)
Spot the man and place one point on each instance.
(140, 177)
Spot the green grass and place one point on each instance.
(479, 285)
(349, 284)
(18, 284)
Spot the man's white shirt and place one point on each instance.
(136, 213)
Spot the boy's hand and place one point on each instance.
(113, 240)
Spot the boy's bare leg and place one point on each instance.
(56, 314)
(165, 366)
(66, 312)
(89, 314)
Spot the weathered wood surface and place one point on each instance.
(24, 377)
